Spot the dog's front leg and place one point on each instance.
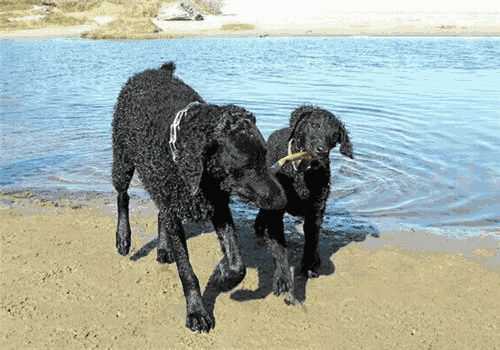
(282, 282)
(231, 269)
(311, 260)
(197, 318)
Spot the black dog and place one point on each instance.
(190, 156)
(306, 184)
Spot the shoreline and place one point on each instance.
(396, 230)
(75, 33)
(483, 248)
(64, 286)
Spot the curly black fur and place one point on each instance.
(307, 186)
(218, 151)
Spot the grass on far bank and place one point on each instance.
(237, 26)
(14, 20)
(130, 19)
(124, 28)
(17, 5)
(22, 14)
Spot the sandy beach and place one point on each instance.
(277, 18)
(64, 286)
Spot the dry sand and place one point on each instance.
(63, 286)
(312, 18)
(326, 17)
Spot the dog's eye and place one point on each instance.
(315, 125)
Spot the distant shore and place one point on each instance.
(64, 286)
(236, 18)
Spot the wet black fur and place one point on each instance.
(219, 152)
(316, 131)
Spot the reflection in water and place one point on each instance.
(423, 113)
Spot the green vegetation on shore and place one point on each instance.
(238, 26)
(30, 14)
(130, 20)
(124, 18)
(124, 28)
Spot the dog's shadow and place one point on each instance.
(192, 230)
(343, 230)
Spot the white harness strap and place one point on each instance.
(176, 125)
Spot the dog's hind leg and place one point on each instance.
(231, 269)
(197, 318)
(164, 251)
(311, 260)
(122, 173)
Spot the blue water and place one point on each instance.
(424, 114)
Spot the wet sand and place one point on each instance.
(63, 286)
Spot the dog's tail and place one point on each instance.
(169, 68)
(345, 142)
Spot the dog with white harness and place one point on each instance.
(190, 156)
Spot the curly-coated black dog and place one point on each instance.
(306, 184)
(190, 156)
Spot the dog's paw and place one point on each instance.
(123, 247)
(311, 269)
(281, 284)
(164, 256)
(311, 274)
(199, 321)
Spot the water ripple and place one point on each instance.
(424, 114)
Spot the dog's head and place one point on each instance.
(318, 131)
(224, 144)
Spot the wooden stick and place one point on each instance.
(290, 158)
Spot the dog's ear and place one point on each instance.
(345, 142)
(190, 149)
(298, 115)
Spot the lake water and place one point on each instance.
(424, 115)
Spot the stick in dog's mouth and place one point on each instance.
(290, 158)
